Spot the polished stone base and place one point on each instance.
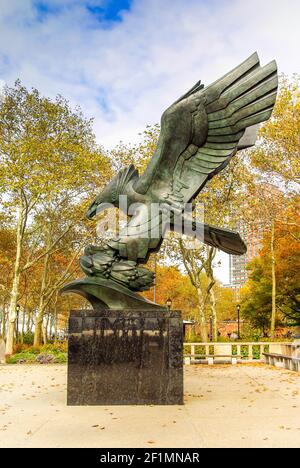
(125, 357)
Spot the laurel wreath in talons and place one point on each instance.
(104, 262)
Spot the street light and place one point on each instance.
(239, 330)
(169, 303)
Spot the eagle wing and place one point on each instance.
(203, 129)
(200, 133)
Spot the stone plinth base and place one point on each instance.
(125, 357)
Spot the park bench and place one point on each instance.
(283, 361)
(223, 352)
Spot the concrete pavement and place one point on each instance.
(225, 406)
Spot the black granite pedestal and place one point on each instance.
(125, 357)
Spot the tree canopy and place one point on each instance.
(51, 167)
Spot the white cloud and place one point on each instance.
(127, 74)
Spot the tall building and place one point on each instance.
(252, 235)
(238, 274)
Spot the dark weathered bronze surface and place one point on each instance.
(200, 133)
(106, 294)
(127, 357)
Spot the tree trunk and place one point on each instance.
(47, 334)
(52, 327)
(23, 326)
(214, 314)
(38, 332)
(31, 324)
(2, 325)
(28, 321)
(39, 336)
(55, 322)
(202, 318)
(210, 293)
(273, 260)
(3, 322)
(24, 320)
(15, 287)
(44, 332)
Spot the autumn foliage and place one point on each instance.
(51, 167)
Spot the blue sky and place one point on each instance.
(106, 11)
(125, 61)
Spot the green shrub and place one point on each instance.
(55, 348)
(60, 358)
(194, 339)
(256, 352)
(33, 350)
(28, 338)
(198, 350)
(49, 353)
(19, 358)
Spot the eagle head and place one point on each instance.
(110, 194)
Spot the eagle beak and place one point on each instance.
(97, 208)
(91, 211)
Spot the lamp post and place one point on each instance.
(169, 303)
(17, 329)
(239, 329)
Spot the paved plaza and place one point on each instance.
(225, 406)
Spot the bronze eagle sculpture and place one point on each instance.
(200, 133)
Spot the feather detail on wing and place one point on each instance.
(243, 98)
(200, 133)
